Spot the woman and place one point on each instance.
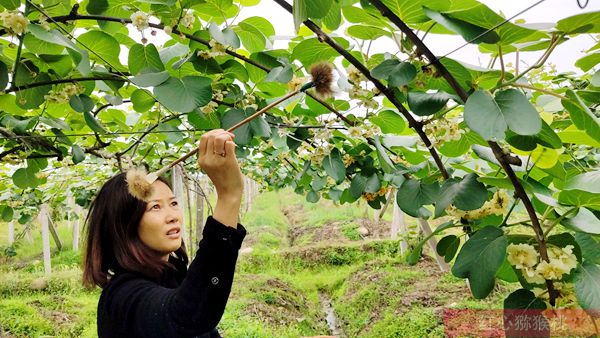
(134, 252)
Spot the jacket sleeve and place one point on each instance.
(197, 305)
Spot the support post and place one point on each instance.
(177, 183)
(432, 245)
(11, 233)
(43, 219)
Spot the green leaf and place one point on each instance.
(96, 6)
(596, 79)
(411, 12)
(483, 115)
(396, 72)
(184, 95)
(232, 117)
(470, 32)
(93, 123)
(280, 74)
(447, 247)
(144, 59)
(465, 194)
(581, 115)
(311, 51)
(480, 258)
(413, 195)
(106, 48)
(78, 154)
(3, 76)
(520, 315)
(235, 70)
(299, 12)
(587, 287)
(7, 213)
(334, 166)
(580, 23)
(25, 178)
(425, 104)
(519, 114)
(546, 137)
(81, 103)
(590, 247)
(226, 37)
(588, 62)
(373, 184)
(357, 185)
(10, 4)
(584, 221)
(142, 100)
(507, 273)
(312, 197)
(389, 121)
(150, 79)
(382, 156)
(366, 32)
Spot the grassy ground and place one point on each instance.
(296, 258)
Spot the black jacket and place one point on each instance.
(182, 303)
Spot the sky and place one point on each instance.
(549, 11)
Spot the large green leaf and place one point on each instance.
(480, 258)
(396, 72)
(144, 59)
(546, 137)
(243, 134)
(424, 104)
(519, 114)
(588, 62)
(78, 154)
(465, 194)
(7, 213)
(105, 48)
(587, 287)
(25, 178)
(312, 50)
(384, 160)
(581, 115)
(580, 23)
(483, 115)
(34, 97)
(366, 32)
(590, 247)
(97, 6)
(93, 123)
(81, 103)
(184, 95)
(142, 100)
(584, 221)
(521, 309)
(447, 247)
(411, 12)
(334, 166)
(490, 118)
(414, 194)
(470, 32)
(150, 79)
(10, 4)
(389, 121)
(357, 185)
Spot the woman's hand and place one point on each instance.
(217, 159)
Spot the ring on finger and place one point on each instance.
(218, 153)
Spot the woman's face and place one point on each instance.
(160, 226)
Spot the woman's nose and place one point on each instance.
(173, 215)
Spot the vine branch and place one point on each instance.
(500, 155)
(388, 92)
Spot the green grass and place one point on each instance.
(277, 289)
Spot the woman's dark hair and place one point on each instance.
(112, 241)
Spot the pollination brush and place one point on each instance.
(139, 183)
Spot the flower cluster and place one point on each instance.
(364, 96)
(188, 19)
(64, 94)
(140, 20)
(566, 294)
(296, 83)
(249, 101)
(366, 131)
(315, 154)
(443, 130)
(373, 196)
(216, 49)
(496, 206)
(348, 160)
(14, 22)
(525, 258)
